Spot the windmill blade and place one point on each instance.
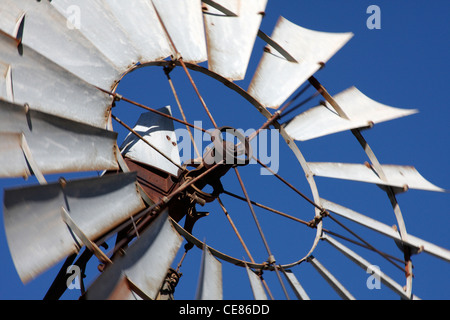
(145, 263)
(159, 132)
(360, 109)
(367, 266)
(255, 283)
(183, 21)
(230, 39)
(56, 144)
(295, 285)
(52, 35)
(332, 281)
(50, 88)
(12, 160)
(142, 28)
(397, 176)
(101, 28)
(34, 223)
(386, 230)
(210, 278)
(277, 78)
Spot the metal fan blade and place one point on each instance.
(142, 27)
(255, 283)
(295, 285)
(386, 230)
(364, 264)
(323, 120)
(12, 160)
(183, 21)
(397, 176)
(145, 263)
(37, 235)
(277, 78)
(50, 88)
(101, 28)
(66, 46)
(210, 278)
(159, 132)
(230, 39)
(332, 281)
(56, 144)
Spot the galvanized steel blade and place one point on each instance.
(141, 24)
(48, 87)
(56, 144)
(256, 285)
(99, 25)
(386, 230)
(367, 266)
(12, 159)
(277, 78)
(145, 263)
(36, 233)
(403, 177)
(332, 281)
(210, 285)
(295, 285)
(159, 132)
(230, 39)
(183, 20)
(58, 38)
(360, 109)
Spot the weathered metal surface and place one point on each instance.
(276, 78)
(36, 233)
(256, 285)
(366, 266)
(323, 120)
(101, 28)
(386, 230)
(396, 176)
(47, 87)
(295, 285)
(56, 144)
(145, 264)
(210, 278)
(183, 21)
(159, 132)
(142, 27)
(332, 281)
(51, 34)
(230, 39)
(6, 82)
(12, 160)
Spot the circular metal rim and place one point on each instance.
(289, 141)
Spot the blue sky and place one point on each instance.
(404, 64)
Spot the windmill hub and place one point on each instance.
(225, 153)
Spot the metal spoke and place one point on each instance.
(241, 240)
(172, 87)
(118, 97)
(365, 242)
(271, 259)
(180, 59)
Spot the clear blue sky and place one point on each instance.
(404, 64)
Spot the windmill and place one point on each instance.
(59, 93)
